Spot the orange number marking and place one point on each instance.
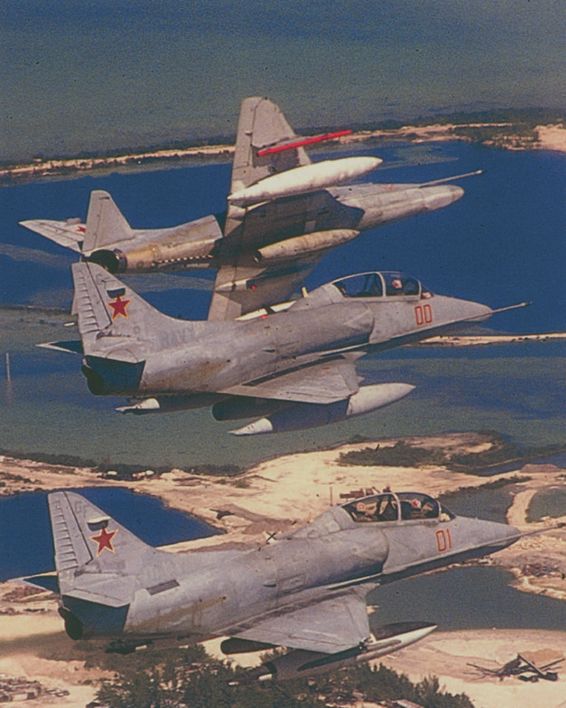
(443, 540)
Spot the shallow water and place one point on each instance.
(47, 408)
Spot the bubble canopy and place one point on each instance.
(403, 506)
(381, 284)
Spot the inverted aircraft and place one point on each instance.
(305, 591)
(283, 213)
(295, 368)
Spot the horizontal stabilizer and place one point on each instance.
(293, 144)
(69, 234)
(46, 581)
(74, 346)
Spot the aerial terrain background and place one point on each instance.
(99, 74)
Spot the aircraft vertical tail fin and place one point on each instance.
(107, 308)
(84, 535)
(98, 564)
(262, 125)
(105, 223)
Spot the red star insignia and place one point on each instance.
(104, 540)
(81, 229)
(119, 307)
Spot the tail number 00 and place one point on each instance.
(423, 314)
(443, 540)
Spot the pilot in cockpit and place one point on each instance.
(366, 510)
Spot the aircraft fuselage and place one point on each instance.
(205, 357)
(200, 244)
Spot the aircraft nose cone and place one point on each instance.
(438, 197)
(500, 535)
(512, 534)
(478, 312)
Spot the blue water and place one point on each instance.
(27, 546)
(502, 243)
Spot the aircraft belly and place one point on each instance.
(293, 216)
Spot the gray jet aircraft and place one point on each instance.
(295, 368)
(305, 591)
(283, 213)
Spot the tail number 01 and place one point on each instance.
(423, 314)
(443, 540)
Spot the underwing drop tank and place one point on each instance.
(302, 245)
(307, 178)
(311, 415)
(300, 663)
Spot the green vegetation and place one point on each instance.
(403, 454)
(120, 471)
(495, 484)
(189, 677)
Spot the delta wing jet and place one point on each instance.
(305, 591)
(295, 368)
(284, 212)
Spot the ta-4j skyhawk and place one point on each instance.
(283, 213)
(295, 368)
(305, 591)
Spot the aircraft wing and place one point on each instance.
(330, 626)
(239, 289)
(245, 287)
(266, 148)
(323, 382)
(67, 234)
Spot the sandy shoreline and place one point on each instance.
(276, 495)
(544, 137)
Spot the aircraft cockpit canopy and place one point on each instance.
(381, 284)
(404, 506)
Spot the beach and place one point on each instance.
(542, 137)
